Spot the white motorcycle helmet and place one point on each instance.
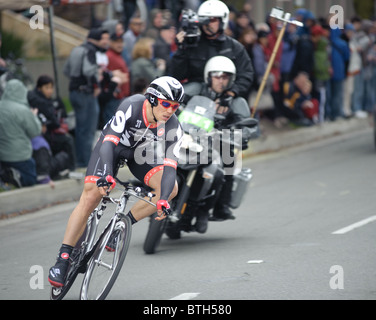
(219, 65)
(214, 9)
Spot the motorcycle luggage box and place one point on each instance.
(239, 187)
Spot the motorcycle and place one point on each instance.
(201, 169)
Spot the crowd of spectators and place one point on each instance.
(319, 74)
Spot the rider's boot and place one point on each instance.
(222, 209)
(57, 273)
(202, 219)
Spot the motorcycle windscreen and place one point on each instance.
(198, 114)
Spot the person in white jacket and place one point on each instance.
(359, 41)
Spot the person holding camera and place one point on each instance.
(202, 38)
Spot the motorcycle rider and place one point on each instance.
(189, 60)
(219, 75)
(138, 122)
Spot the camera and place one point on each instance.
(191, 25)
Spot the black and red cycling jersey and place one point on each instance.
(147, 147)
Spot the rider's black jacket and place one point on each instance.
(189, 62)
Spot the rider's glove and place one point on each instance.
(163, 204)
(106, 182)
(225, 100)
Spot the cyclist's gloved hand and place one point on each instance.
(106, 184)
(162, 209)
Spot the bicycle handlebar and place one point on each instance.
(135, 191)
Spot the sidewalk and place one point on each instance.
(29, 199)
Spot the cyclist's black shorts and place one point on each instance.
(142, 172)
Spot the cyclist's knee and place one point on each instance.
(91, 193)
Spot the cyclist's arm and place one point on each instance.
(172, 149)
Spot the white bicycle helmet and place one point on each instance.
(166, 88)
(220, 64)
(214, 9)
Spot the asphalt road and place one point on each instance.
(283, 244)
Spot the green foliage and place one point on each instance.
(11, 44)
(364, 8)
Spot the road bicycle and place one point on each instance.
(93, 256)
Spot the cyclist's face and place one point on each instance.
(165, 109)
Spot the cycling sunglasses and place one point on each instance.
(167, 104)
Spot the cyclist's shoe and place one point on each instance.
(111, 243)
(56, 275)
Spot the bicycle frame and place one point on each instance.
(93, 222)
(88, 242)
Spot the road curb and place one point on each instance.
(29, 199)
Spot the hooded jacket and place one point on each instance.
(18, 125)
(340, 55)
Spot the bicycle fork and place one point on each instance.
(120, 207)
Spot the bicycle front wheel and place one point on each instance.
(105, 265)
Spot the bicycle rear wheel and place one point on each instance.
(104, 266)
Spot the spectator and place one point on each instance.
(164, 45)
(131, 36)
(358, 43)
(119, 79)
(298, 104)
(322, 67)
(18, 125)
(289, 44)
(371, 59)
(248, 39)
(42, 156)
(113, 27)
(243, 22)
(369, 88)
(129, 8)
(83, 71)
(189, 60)
(304, 58)
(259, 57)
(340, 54)
(53, 112)
(143, 66)
(157, 22)
(275, 71)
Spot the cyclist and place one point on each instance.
(140, 122)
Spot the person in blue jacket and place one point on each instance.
(340, 55)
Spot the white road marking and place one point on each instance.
(355, 225)
(186, 296)
(255, 261)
